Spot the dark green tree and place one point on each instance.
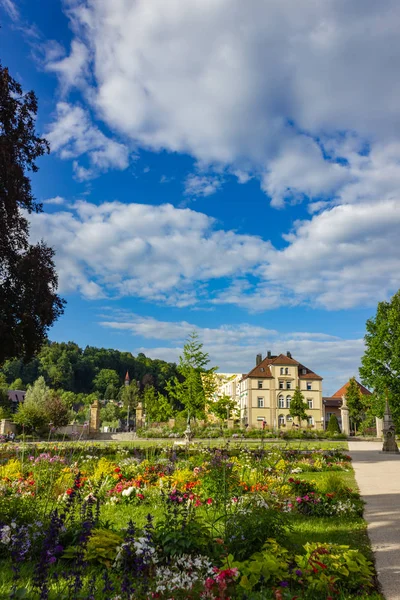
(29, 304)
(107, 383)
(333, 425)
(156, 406)
(298, 407)
(355, 403)
(190, 389)
(380, 370)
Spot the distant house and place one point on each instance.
(16, 396)
(267, 390)
(332, 404)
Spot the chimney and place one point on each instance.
(258, 359)
(289, 354)
(269, 354)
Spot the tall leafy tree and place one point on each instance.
(190, 390)
(354, 401)
(298, 407)
(156, 406)
(29, 304)
(380, 370)
(106, 383)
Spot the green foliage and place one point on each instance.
(355, 402)
(107, 383)
(223, 408)
(333, 425)
(380, 370)
(109, 415)
(298, 407)
(157, 407)
(130, 395)
(16, 384)
(248, 528)
(269, 566)
(102, 547)
(28, 282)
(41, 407)
(189, 391)
(328, 567)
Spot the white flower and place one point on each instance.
(128, 491)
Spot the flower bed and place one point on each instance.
(95, 521)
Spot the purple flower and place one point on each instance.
(284, 584)
(298, 572)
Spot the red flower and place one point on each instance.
(209, 501)
(117, 470)
(69, 491)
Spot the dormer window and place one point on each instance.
(262, 369)
(304, 371)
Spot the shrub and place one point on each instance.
(333, 425)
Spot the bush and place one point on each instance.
(333, 425)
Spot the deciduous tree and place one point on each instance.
(29, 304)
(380, 370)
(298, 407)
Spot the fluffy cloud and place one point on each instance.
(71, 69)
(57, 201)
(262, 89)
(344, 257)
(137, 250)
(72, 134)
(234, 347)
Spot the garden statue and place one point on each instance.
(389, 432)
(188, 433)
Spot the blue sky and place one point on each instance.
(218, 166)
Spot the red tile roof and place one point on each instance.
(282, 359)
(342, 391)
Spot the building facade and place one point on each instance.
(333, 404)
(267, 390)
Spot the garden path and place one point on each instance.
(378, 478)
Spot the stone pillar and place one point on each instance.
(379, 427)
(231, 423)
(139, 415)
(94, 424)
(389, 432)
(344, 412)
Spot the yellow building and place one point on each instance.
(266, 392)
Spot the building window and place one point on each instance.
(260, 402)
(288, 385)
(309, 385)
(260, 385)
(289, 418)
(286, 371)
(281, 401)
(282, 371)
(310, 420)
(288, 401)
(281, 385)
(281, 420)
(304, 371)
(310, 403)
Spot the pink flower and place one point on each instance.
(209, 501)
(298, 499)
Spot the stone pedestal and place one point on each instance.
(139, 415)
(379, 427)
(344, 412)
(231, 423)
(389, 432)
(94, 424)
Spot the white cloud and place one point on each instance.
(347, 256)
(10, 9)
(137, 250)
(202, 185)
(70, 69)
(57, 201)
(261, 89)
(234, 347)
(72, 134)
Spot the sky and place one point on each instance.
(222, 166)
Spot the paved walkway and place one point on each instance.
(378, 477)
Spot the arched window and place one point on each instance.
(286, 371)
(281, 402)
(288, 401)
(281, 420)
